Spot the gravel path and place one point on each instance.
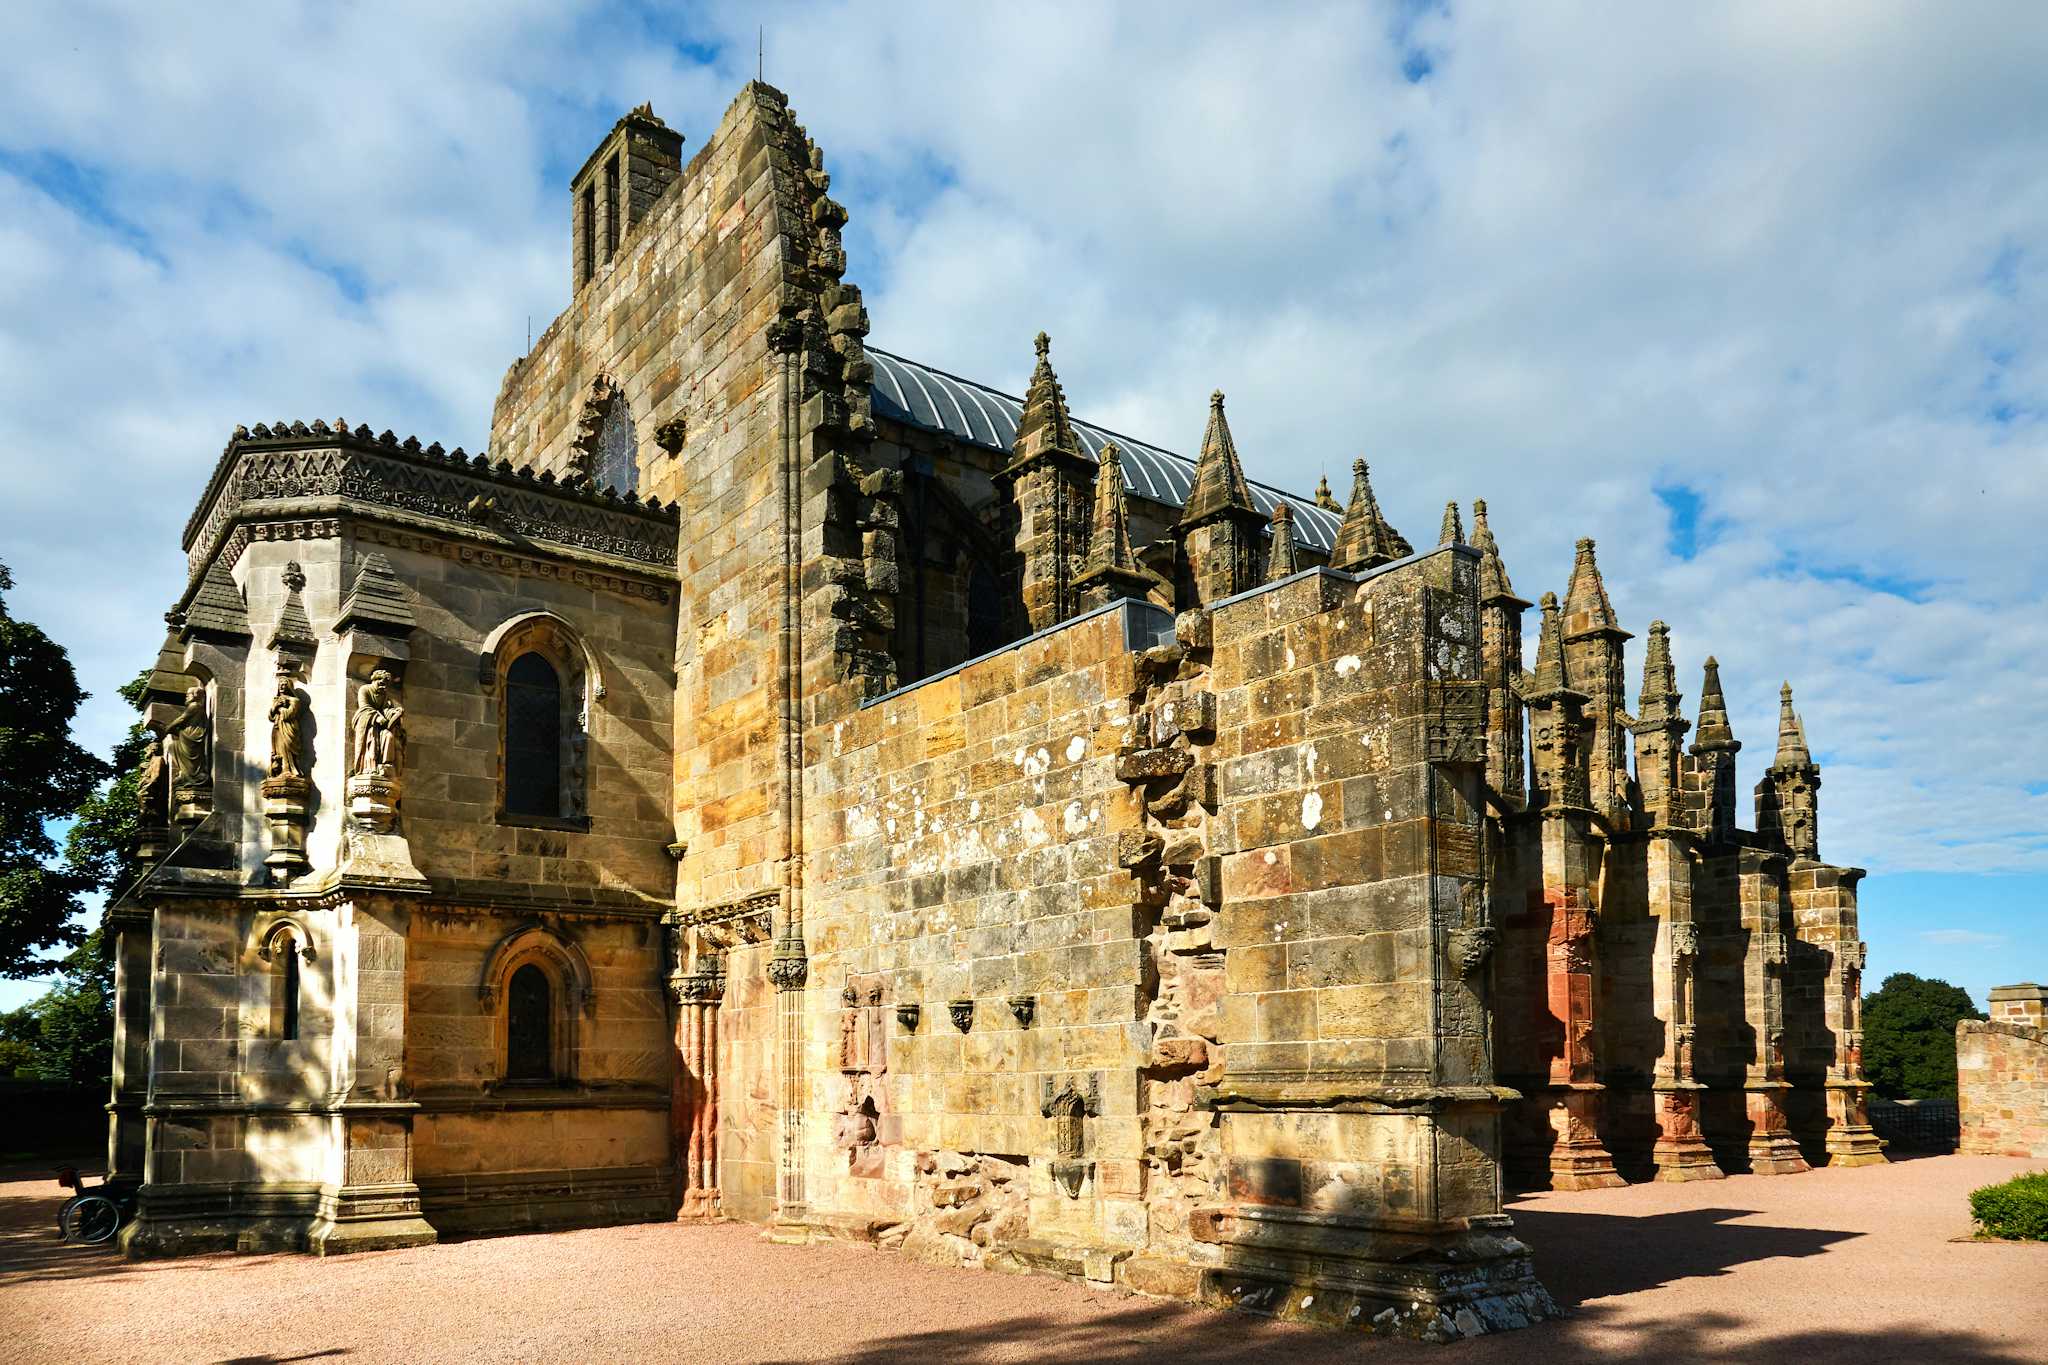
(1847, 1265)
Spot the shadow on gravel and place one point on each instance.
(1185, 1337)
(1581, 1256)
(30, 1248)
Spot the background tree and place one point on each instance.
(44, 776)
(1909, 1036)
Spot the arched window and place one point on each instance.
(618, 450)
(529, 1026)
(533, 738)
(546, 682)
(290, 1030)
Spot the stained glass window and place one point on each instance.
(529, 1022)
(533, 737)
(618, 446)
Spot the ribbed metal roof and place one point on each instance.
(921, 396)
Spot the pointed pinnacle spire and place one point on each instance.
(1109, 538)
(1281, 561)
(1219, 485)
(1452, 532)
(1550, 675)
(1111, 570)
(1493, 574)
(1792, 750)
(1045, 424)
(1659, 697)
(1713, 730)
(1324, 499)
(1365, 539)
(1586, 607)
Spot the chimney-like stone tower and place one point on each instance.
(617, 186)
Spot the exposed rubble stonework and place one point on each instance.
(791, 784)
(2002, 1074)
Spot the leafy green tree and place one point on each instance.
(1909, 1036)
(47, 776)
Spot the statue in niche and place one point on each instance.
(187, 740)
(378, 738)
(152, 796)
(287, 730)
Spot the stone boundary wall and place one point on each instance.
(2002, 1076)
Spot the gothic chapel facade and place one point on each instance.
(782, 781)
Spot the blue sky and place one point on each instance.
(1753, 296)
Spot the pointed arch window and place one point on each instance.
(618, 449)
(545, 680)
(529, 1025)
(533, 737)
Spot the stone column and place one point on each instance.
(369, 1200)
(698, 995)
(788, 969)
(1579, 1160)
(126, 1127)
(1831, 893)
(1681, 1152)
(1772, 1148)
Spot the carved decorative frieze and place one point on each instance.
(254, 476)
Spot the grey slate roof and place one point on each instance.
(920, 396)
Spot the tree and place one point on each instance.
(1909, 1036)
(47, 777)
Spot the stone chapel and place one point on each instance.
(782, 781)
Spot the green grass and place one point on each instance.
(2016, 1209)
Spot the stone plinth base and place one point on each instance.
(1429, 1282)
(246, 1217)
(1772, 1148)
(369, 1218)
(1579, 1160)
(490, 1202)
(1851, 1141)
(1681, 1152)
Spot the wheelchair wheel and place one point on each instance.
(94, 1219)
(64, 1217)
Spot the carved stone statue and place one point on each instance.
(152, 794)
(287, 731)
(377, 740)
(187, 741)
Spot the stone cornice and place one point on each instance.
(320, 470)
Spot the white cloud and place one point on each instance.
(1792, 263)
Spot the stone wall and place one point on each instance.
(1148, 957)
(2002, 1075)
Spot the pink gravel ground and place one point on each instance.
(1843, 1265)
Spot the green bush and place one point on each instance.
(2016, 1209)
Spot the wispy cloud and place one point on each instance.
(1957, 938)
